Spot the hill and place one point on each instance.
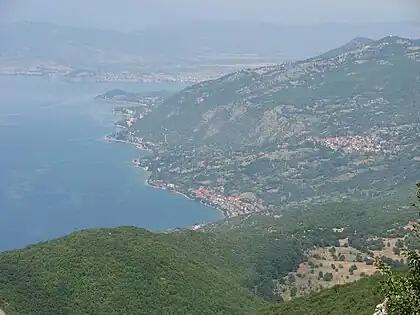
(227, 270)
(123, 271)
(341, 125)
(354, 44)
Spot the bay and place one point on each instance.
(58, 175)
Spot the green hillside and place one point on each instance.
(226, 271)
(124, 271)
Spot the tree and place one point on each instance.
(352, 268)
(328, 276)
(293, 292)
(402, 291)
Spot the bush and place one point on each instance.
(403, 291)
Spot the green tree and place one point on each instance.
(293, 291)
(328, 276)
(402, 291)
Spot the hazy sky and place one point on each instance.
(134, 14)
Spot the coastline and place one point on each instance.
(147, 183)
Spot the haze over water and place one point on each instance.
(58, 175)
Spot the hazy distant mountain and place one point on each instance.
(93, 47)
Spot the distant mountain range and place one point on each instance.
(194, 48)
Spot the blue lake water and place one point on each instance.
(58, 175)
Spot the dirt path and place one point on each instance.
(1, 312)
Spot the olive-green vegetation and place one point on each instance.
(126, 271)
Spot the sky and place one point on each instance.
(137, 14)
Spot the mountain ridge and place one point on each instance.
(320, 129)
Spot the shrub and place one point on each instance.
(402, 291)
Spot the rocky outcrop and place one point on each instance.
(381, 309)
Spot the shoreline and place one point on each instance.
(224, 215)
(147, 183)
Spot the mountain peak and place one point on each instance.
(361, 41)
(355, 43)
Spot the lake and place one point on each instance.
(58, 175)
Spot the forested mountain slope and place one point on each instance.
(125, 271)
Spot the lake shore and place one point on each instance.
(148, 183)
